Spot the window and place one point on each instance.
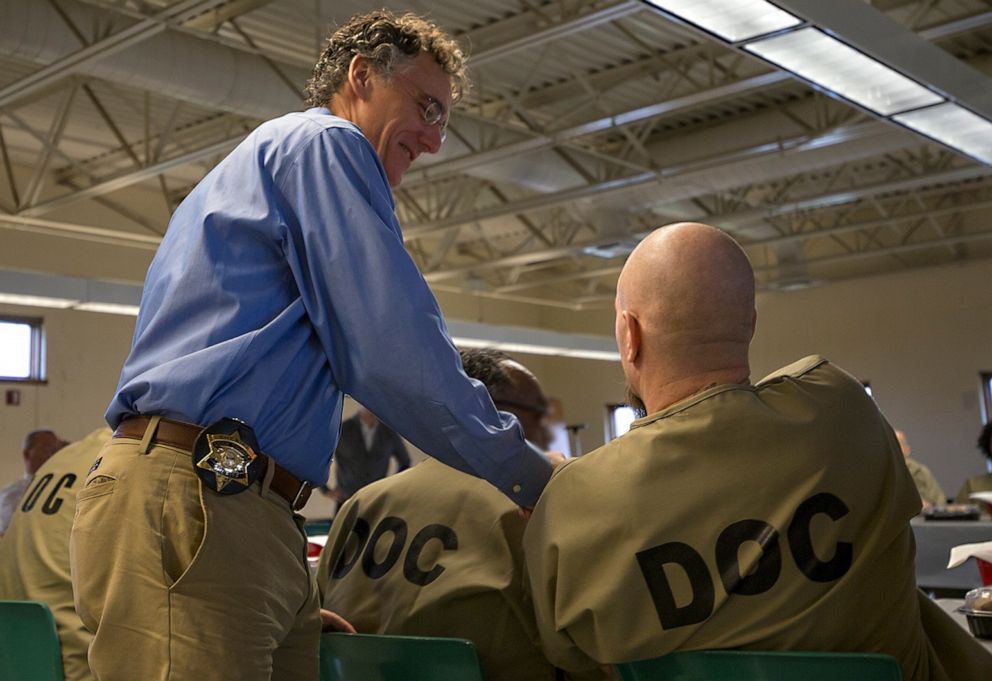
(986, 396)
(21, 349)
(618, 420)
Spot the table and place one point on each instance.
(934, 540)
(950, 606)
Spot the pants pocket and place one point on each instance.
(89, 541)
(184, 526)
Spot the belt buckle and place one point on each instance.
(226, 457)
(302, 495)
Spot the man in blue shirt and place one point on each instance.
(281, 285)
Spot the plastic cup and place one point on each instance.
(985, 571)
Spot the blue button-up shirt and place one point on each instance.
(283, 284)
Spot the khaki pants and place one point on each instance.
(179, 583)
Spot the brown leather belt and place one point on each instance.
(182, 435)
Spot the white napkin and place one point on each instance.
(985, 497)
(960, 554)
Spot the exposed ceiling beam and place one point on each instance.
(557, 31)
(210, 20)
(952, 28)
(75, 61)
(442, 169)
(598, 300)
(885, 251)
(539, 142)
(738, 219)
(550, 200)
(134, 176)
(837, 230)
(115, 237)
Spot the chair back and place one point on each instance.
(754, 665)
(368, 657)
(29, 642)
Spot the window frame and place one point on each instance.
(610, 430)
(985, 390)
(36, 372)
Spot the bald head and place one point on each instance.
(685, 311)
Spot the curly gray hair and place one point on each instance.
(386, 40)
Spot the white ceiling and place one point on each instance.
(590, 123)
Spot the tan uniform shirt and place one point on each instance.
(927, 485)
(436, 552)
(767, 517)
(34, 554)
(977, 483)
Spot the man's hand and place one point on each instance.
(331, 621)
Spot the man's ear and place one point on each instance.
(360, 76)
(630, 336)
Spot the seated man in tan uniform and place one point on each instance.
(770, 516)
(432, 551)
(34, 554)
(931, 493)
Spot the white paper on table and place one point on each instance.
(960, 554)
(985, 497)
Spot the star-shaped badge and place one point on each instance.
(228, 458)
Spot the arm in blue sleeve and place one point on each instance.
(379, 323)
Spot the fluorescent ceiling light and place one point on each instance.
(39, 289)
(732, 20)
(532, 341)
(36, 301)
(534, 349)
(614, 249)
(110, 308)
(830, 64)
(954, 126)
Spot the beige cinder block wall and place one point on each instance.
(919, 337)
(85, 351)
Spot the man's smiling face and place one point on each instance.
(392, 114)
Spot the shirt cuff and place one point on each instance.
(530, 472)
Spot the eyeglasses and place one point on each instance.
(431, 110)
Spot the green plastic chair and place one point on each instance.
(29, 642)
(368, 657)
(312, 527)
(754, 665)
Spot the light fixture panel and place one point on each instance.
(109, 308)
(830, 64)
(36, 301)
(955, 126)
(732, 20)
